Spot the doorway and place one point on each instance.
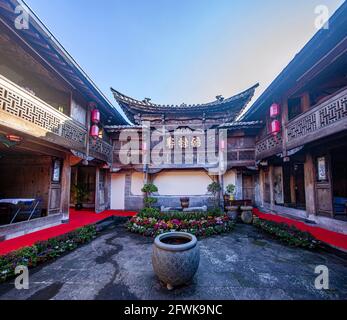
(338, 158)
(248, 187)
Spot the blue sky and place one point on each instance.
(176, 51)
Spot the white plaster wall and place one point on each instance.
(117, 191)
(137, 181)
(230, 178)
(182, 182)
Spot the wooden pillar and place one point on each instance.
(305, 102)
(310, 185)
(65, 188)
(107, 195)
(292, 185)
(221, 193)
(97, 190)
(284, 121)
(271, 182)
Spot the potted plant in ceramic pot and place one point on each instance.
(80, 193)
(230, 192)
(149, 200)
(229, 196)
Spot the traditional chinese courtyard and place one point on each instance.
(245, 264)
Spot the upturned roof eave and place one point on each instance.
(234, 105)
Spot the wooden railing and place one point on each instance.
(268, 146)
(25, 112)
(100, 149)
(322, 120)
(22, 111)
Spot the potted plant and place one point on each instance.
(230, 191)
(149, 189)
(80, 193)
(215, 189)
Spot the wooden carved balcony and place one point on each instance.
(100, 149)
(268, 146)
(22, 111)
(322, 120)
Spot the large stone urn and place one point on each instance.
(247, 214)
(175, 258)
(232, 212)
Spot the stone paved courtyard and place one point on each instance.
(245, 264)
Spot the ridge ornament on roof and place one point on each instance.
(216, 112)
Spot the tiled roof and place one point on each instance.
(228, 108)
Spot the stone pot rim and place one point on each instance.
(172, 247)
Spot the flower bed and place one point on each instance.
(287, 234)
(44, 251)
(199, 224)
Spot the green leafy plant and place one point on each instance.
(287, 234)
(44, 251)
(149, 189)
(80, 192)
(155, 213)
(230, 189)
(215, 189)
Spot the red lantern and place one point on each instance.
(95, 116)
(275, 127)
(94, 131)
(275, 110)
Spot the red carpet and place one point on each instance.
(77, 219)
(332, 238)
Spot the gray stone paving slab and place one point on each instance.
(245, 264)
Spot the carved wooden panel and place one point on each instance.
(19, 103)
(318, 119)
(271, 143)
(101, 149)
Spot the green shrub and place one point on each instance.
(215, 189)
(230, 189)
(150, 201)
(155, 213)
(43, 251)
(287, 234)
(149, 189)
